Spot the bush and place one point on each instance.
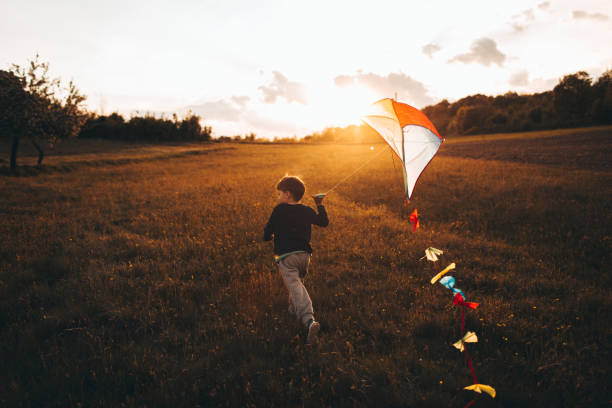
(146, 127)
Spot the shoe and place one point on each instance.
(313, 331)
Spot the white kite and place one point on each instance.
(409, 133)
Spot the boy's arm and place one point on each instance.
(269, 228)
(320, 217)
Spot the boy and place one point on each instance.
(290, 224)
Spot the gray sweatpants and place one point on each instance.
(291, 268)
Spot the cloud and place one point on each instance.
(542, 84)
(234, 115)
(483, 51)
(430, 49)
(406, 87)
(240, 100)
(226, 110)
(344, 81)
(527, 17)
(520, 78)
(281, 87)
(581, 14)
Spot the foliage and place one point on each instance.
(572, 98)
(55, 111)
(147, 284)
(601, 109)
(574, 101)
(149, 128)
(14, 103)
(45, 109)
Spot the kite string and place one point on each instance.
(353, 173)
(471, 368)
(470, 403)
(467, 356)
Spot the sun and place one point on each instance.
(341, 106)
(326, 106)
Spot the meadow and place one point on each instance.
(136, 276)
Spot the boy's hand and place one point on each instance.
(318, 199)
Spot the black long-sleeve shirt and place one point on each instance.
(290, 225)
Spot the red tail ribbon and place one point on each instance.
(460, 301)
(414, 219)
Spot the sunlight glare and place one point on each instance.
(334, 106)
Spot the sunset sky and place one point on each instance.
(284, 68)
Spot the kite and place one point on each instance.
(409, 133)
(469, 337)
(443, 272)
(431, 254)
(479, 388)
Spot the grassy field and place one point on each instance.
(137, 276)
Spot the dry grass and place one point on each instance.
(146, 283)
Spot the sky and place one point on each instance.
(289, 68)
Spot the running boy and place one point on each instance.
(290, 224)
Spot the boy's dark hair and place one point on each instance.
(293, 185)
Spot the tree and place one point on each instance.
(440, 115)
(471, 119)
(572, 97)
(15, 103)
(39, 108)
(112, 126)
(602, 103)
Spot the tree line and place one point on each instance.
(575, 101)
(145, 128)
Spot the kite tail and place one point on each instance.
(459, 300)
(414, 219)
